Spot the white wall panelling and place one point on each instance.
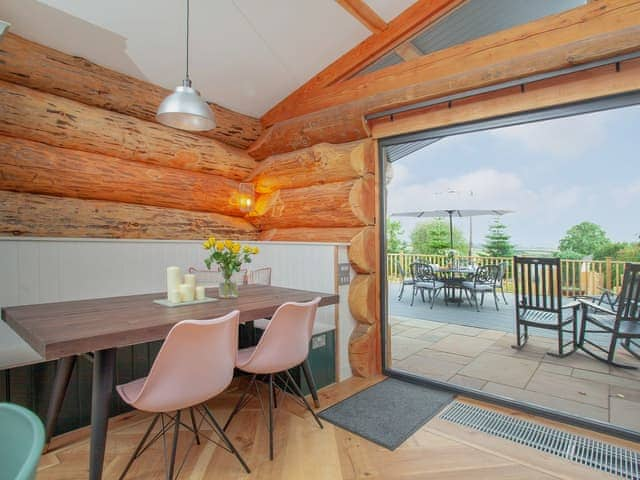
(54, 270)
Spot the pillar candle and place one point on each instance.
(174, 296)
(190, 279)
(200, 292)
(186, 292)
(174, 279)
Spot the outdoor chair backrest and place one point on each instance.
(502, 272)
(400, 270)
(486, 275)
(629, 298)
(537, 283)
(422, 272)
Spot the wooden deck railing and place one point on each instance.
(579, 277)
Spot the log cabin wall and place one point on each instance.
(81, 155)
(327, 193)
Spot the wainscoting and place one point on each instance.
(52, 270)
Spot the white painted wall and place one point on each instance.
(54, 270)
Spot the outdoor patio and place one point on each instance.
(473, 349)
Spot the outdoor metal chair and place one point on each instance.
(502, 273)
(484, 281)
(403, 280)
(538, 294)
(623, 324)
(424, 278)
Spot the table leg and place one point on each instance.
(103, 377)
(64, 369)
(308, 376)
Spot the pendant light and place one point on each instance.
(184, 108)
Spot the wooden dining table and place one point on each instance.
(62, 331)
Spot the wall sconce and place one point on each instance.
(246, 197)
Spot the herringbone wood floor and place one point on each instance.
(439, 450)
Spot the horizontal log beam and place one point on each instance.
(341, 125)
(25, 214)
(42, 68)
(33, 167)
(418, 16)
(57, 121)
(594, 31)
(589, 84)
(322, 163)
(324, 124)
(310, 234)
(362, 251)
(342, 204)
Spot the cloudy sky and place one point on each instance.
(553, 174)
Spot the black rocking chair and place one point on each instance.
(622, 324)
(538, 294)
(425, 279)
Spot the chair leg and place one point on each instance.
(495, 299)
(195, 427)
(482, 299)
(308, 376)
(239, 405)
(174, 447)
(503, 296)
(612, 348)
(401, 292)
(140, 445)
(466, 293)
(224, 437)
(271, 393)
(413, 295)
(295, 386)
(475, 297)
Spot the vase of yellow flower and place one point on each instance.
(229, 256)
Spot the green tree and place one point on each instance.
(394, 231)
(498, 241)
(433, 238)
(584, 239)
(622, 251)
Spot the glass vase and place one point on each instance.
(228, 289)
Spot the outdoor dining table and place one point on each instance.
(453, 277)
(62, 331)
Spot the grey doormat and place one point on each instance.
(388, 412)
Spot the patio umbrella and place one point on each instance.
(451, 214)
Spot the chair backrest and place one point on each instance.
(537, 283)
(400, 270)
(195, 363)
(21, 442)
(629, 298)
(285, 342)
(260, 276)
(422, 272)
(486, 275)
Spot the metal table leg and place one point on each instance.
(64, 369)
(308, 376)
(103, 378)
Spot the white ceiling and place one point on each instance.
(245, 54)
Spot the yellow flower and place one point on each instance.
(256, 250)
(219, 246)
(235, 248)
(247, 249)
(206, 245)
(228, 244)
(212, 240)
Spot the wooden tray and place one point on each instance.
(167, 303)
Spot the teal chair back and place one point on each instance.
(21, 442)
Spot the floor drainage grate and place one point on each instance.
(593, 453)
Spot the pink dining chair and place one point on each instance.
(195, 363)
(283, 345)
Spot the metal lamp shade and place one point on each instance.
(184, 109)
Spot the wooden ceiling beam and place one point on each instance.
(599, 30)
(410, 79)
(364, 14)
(398, 31)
